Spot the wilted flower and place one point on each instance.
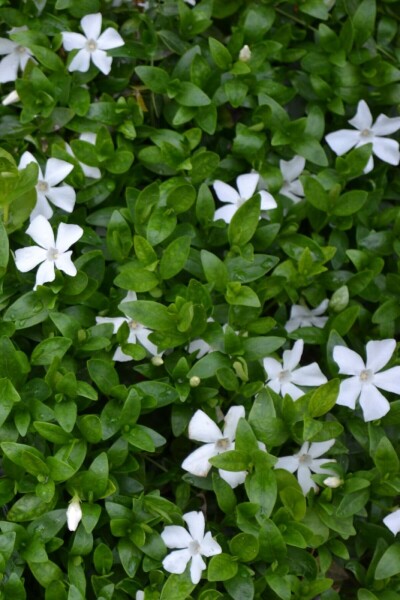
(49, 253)
(93, 46)
(203, 429)
(284, 378)
(392, 521)
(305, 461)
(47, 188)
(137, 332)
(245, 54)
(368, 133)
(302, 316)
(88, 171)
(74, 514)
(191, 546)
(292, 186)
(366, 379)
(247, 185)
(16, 57)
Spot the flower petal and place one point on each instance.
(196, 567)
(196, 524)
(291, 358)
(41, 232)
(175, 536)
(292, 191)
(379, 353)
(102, 61)
(272, 367)
(304, 479)
(233, 478)
(42, 208)
(80, 62)
(26, 159)
(363, 118)
(309, 375)
(199, 346)
(7, 46)
(91, 26)
(342, 141)
(247, 184)
(350, 363)
(45, 273)
(387, 150)
(203, 429)
(28, 258)
(319, 448)
(225, 213)
(392, 521)
(63, 196)
(374, 404)
(231, 421)
(349, 391)
(197, 462)
(116, 322)
(109, 39)
(385, 125)
(142, 335)
(65, 264)
(268, 202)
(176, 561)
(291, 169)
(120, 356)
(92, 172)
(225, 192)
(209, 547)
(56, 171)
(289, 463)
(388, 380)
(316, 466)
(9, 68)
(292, 390)
(73, 41)
(67, 235)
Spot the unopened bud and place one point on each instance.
(74, 514)
(194, 381)
(10, 98)
(245, 54)
(157, 361)
(333, 482)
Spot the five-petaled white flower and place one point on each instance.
(368, 133)
(247, 185)
(92, 45)
(47, 188)
(367, 378)
(16, 57)
(88, 171)
(302, 316)
(307, 460)
(392, 521)
(74, 514)
(191, 546)
(49, 253)
(284, 378)
(203, 429)
(137, 332)
(292, 186)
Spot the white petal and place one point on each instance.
(225, 192)
(41, 232)
(388, 380)
(73, 41)
(175, 536)
(209, 547)
(9, 68)
(176, 561)
(109, 39)
(309, 375)
(120, 356)
(116, 322)
(272, 367)
(67, 235)
(45, 273)
(379, 353)
(197, 462)
(321, 308)
(102, 61)
(80, 62)
(195, 522)
(385, 125)
(370, 165)
(56, 171)
(7, 46)
(286, 190)
(28, 258)
(319, 322)
(304, 479)
(349, 391)
(363, 118)
(291, 169)
(319, 448)
(291, 358)
(374, 405)
(26, 159)
(316, 466)
(231, 421)
(267, 201)
(292, 390)
(196, 567)
(392, 521)
(88, 136)
(203, 429)
(130, 297)
(349, 361)
(292, 325)
(233, 478)
(63, 196)
(42, 208)
(289, 463)
(200, 346)
(247, 185)
(342, 141)
(142, 335)
(387, 150)
(92, 172)
(225, 213)
(91, 25)
(65, 264)
(275, 385)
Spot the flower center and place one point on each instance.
(366, 376)
(305, 459)
(284, 376)
(366, 133)
(194, 547)
(52, 254)
(223, 443)
(133, 324)
(42, 186)
(21, 50)
(91, 45)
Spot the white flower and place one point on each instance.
(49, 253)
(302, 316)
(11, 98)
(247, 185)
(305, 461)
(137, 332)
(88, 171)
(284, 378)
(16, 57)
(74, 514)
(392, 521)
(333, 482)
(386, 149)
(93, 46)
(47, 187)
(245, 54)
(366, 379)
(292, 186)
(191, 546)
(203, 429)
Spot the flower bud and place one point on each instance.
(157, 361)
(333, 482)
(194, 381)
(74, 514)
(10, 98)
(245, 54)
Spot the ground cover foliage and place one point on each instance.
(211, 377)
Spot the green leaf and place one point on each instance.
(130, 556)
(241, 586)
(349, 203)
(244, 222)
(241, 295)
(389, 564)
(27, 457)
(363, 21)
(232, 460)
(209, 365)
(324, 398)
(103, 374)
(174, 257)
(222, 567)
(220, 54)
(4, 249)
(177, 587)
(48, 349)
(214, 270)
(119, 237)
(225, 495)
(191, 95)
(134, 278)
(261, 488)
(256, 348)
(154, 78)
(150, 314)
(385, 457)
(244, 546)
(9, 396)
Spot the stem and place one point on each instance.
(5, 213)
